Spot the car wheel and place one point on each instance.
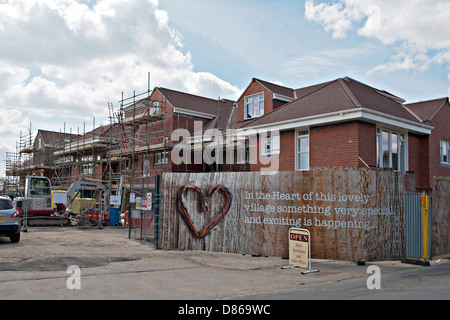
(15, 238)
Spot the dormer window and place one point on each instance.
(254, 106)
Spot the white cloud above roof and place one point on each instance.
(66, 59)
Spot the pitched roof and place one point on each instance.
(426, 110)
(301, 92)
(220, 109)
(333, 96)
(278, 89)
(55, 138)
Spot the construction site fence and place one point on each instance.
(144, 220)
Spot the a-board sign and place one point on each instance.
(300, 250)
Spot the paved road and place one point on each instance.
(112, 266)
(416, 284)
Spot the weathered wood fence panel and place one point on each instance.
(440, 219)
(351, 214)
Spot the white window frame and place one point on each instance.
(270, 144)
(299, 135)
(155, 107)
(145, 165)
(401, 156)
(444, 152)
(87, 165)
(161, 158)
(255, 111)
(242, 152)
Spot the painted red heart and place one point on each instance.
(203, 200)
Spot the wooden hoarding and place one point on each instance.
(351, 214)
(440, 217)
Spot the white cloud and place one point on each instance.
(417, 28)
(68, 58)
(335, 17)
(90, 54)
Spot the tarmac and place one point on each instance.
(111, 266)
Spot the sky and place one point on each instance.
(63, 61)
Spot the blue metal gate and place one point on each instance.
(413, 225)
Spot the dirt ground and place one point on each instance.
(116, 267)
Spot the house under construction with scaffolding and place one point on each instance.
(340, 123)
(127, 154)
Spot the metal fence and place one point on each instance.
(145, 209)
(413, 225)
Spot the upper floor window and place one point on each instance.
(391, 150)
(445, 152)
(155, 107)
(254, 106)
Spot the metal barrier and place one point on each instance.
(415, 228)
(145, 212)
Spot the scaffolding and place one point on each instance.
(145, 132)
(20, 163)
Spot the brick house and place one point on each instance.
(339, 123)
(155, 118)
(345, 123)
(434, 150)
(37, 156)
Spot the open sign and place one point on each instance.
(300, 250)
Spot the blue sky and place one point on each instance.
(62, 61)
(272, 40)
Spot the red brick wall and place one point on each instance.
(287, 151)
(340, 145)
(441, 130)
(337, 145)
(418, 160)
(367, 144)
(286, 158)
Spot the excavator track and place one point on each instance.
(49, 221)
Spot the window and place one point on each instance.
(270, 144)
(156, 107)
(254, 106)
(391, 150)
(87, 165)
(445, 152)
(161, 158)
(145, 166)
(40, 186)
(302, 161)
(6, 204)
(243, 152)
(87, 168)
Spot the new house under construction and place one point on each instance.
(126, 155)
